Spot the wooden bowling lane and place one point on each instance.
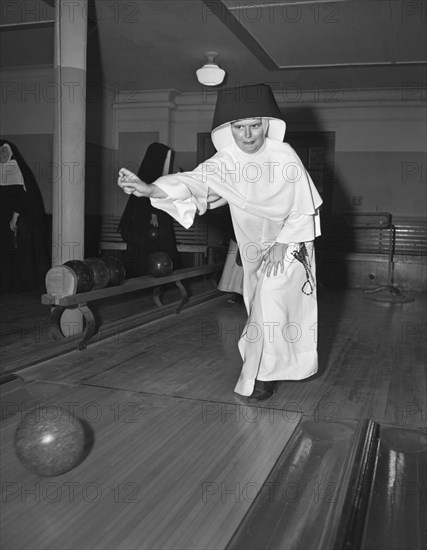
(396, 517)
(371, 361)
(162, 472)
(342, 487)
(178, 458)
(303, 504)
(179, 356)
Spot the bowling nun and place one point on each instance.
(274, 207)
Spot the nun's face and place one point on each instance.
(5, 153)
(248, 134)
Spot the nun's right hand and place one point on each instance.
(131, 184)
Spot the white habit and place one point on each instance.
(272, 199)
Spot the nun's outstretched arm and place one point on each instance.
(132, 185)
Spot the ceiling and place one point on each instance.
(293, 45)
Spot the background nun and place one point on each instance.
(23, 234)
(146, 229)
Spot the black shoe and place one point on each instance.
(263, 390)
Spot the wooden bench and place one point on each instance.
(410, 236)
(59, 304)
(357, 250)
(193, 240)
(361, 233)
(111, 239)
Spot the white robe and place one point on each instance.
(232, 274)
(272, 199)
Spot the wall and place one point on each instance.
(28, 97)
(380, 144)
(27, 100)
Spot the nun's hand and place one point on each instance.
(273, 259)
(132, 185)
(13, 224)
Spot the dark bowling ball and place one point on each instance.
(50, 441)
(159, 264)
(117, 270)
(83, 273)
(153, 233)
(100, 271)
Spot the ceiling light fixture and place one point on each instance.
(210, 74)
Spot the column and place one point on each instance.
(69, 132)
(68, 205)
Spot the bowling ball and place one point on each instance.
(83, 273)
(100, 271)
(50, 441)
(159, 264)
(153, 233)
(116, 269)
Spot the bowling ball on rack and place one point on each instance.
(116, 269)
(50, 441)
(83, 274)
(100, 271)
(159, 264)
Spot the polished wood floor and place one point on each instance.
(372, 359)
(176, 453)
(25, 338)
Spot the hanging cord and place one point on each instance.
(302, 256)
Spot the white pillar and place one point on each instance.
(69, 142)
(70, 131)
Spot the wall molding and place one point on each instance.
(409, 94)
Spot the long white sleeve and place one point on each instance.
(187, 195)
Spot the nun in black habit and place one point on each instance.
(144, 228)
(23, 231)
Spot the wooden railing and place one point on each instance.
(193, 240)
(58, 304)
(408, 235)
